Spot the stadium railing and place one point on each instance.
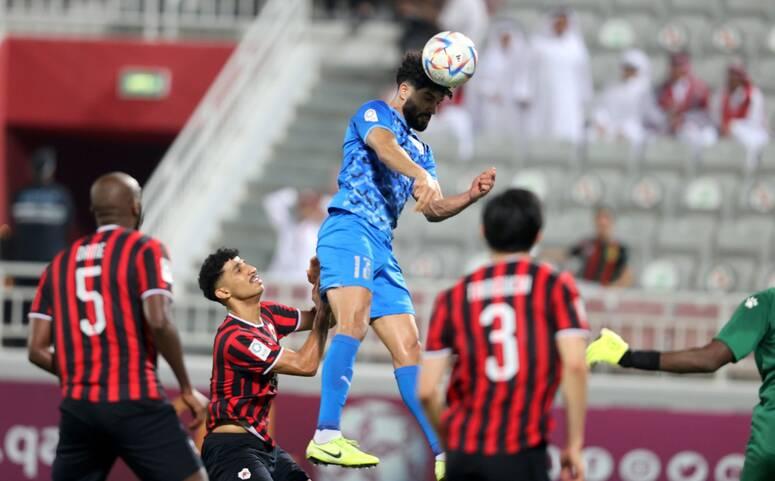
(149, 18)
(649, 320)
(229, 137)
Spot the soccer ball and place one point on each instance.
(449, 59)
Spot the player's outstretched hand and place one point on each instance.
(608, 348)
(571, 465)
(197, 403)
(313, 271)
(426, 189)
(482, 184)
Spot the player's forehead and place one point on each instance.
(233, 265)
(430, 94)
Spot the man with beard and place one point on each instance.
(384, 164)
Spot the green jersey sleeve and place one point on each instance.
(748, 325)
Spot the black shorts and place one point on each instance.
(528, 465)
(235, 456)
(147, 435)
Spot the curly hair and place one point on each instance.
(411, 71)
(212, 270)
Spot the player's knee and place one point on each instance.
(353, 328)
(409, 354)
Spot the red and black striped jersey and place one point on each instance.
(243, 385)
(501, 323)
(601, 261)
(92, 292)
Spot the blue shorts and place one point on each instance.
(352, 252)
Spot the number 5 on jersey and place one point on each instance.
(81, 274)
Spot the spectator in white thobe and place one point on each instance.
(296, 217)
(469, 17)
(739, 113)
(622, 110)
(561, 80)
(501, 90)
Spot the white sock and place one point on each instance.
(323, 436)
(441, 457)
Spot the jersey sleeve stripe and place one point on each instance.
(156, 292)
(572, 332)
(38, 315)
(274, 363)
(443, 352)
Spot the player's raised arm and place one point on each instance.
(384, 144)
(442, 208)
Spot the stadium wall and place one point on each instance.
(639, 428)
(65, 85)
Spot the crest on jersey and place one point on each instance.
(370, 115)
(244, 474)
(751, 302)
(260, 350)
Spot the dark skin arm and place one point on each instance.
(158, 315)
(39, 345)
(708, 358)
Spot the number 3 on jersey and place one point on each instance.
(90, 296)
(506, 336)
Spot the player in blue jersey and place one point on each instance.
(384, 164)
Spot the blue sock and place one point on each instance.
(336, 378)
(407, 384)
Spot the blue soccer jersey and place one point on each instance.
(367, 187)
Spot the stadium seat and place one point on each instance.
(667, 273)
(687, 235)
(758, 198)
(563, 228)
(495, 150)
(763, 73)
(710, 195)
(594, 187)
(654, 8)
(726, 156)
(610, 155)
(605, 69)
(548, 184)
(712, 70)
(529, 18)
(747, 236)
(728, 274)
(637, 231)
(765, 277)
(707, 8)
(754, 35)
(646, 32)
(759, 8)
(697, 29)
(616, 34)
(550, 152)
(664, 153)
(462, 229)
(767, 165)
(654, 192)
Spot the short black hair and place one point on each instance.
(411, 71)
(512, 221)
(212, 270)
